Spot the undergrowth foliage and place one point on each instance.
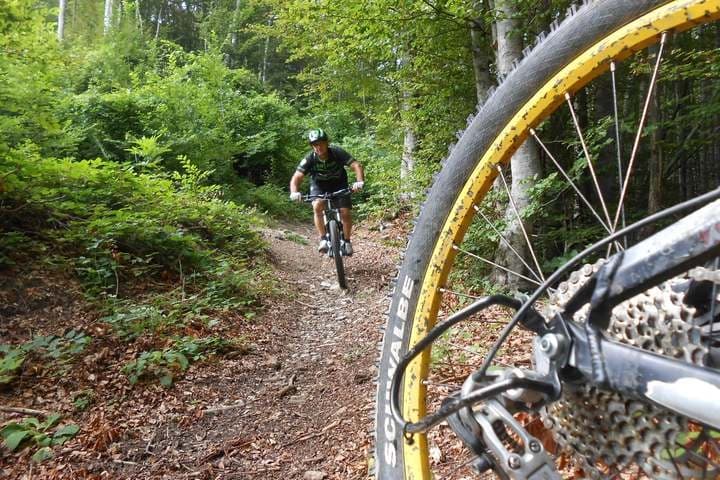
(37, 435)
(165, 364)
(136, 226)
(55, 352)
(155, 252)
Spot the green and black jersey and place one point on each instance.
(330, 172)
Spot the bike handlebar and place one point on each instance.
(327, 196)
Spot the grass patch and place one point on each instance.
(294, 237)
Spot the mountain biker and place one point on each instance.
(326, 167)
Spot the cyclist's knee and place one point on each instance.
(319, 206)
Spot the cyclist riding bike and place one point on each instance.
(326, 166)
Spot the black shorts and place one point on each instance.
(318, 188)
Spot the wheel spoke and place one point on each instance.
(431, 383)
(617, 141)
(589, 161)
(458, 294)
(606, 226)
(494, 264)
(507, 243)
(522, 225)
(640, 128)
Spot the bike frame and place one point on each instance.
(331, 210)
(569, 352)
(681, 387)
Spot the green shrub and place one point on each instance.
(381, 196)
(229, 285)
(37, 434)
(167, 363)
(58, 350)
(117, 225)
(193, 106)
(269, 198)
(83, 399)
(10, 363)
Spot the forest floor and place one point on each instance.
(295, 402)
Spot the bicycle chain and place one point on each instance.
(606, 431)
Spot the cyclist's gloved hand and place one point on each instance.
(295, 196)
(357, 186)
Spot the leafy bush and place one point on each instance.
(162, 364)
(167, 363)
(227, 286)
(192, 106)
(83, 399)
(10, 363)
(131, 319)
(60, 350)
(269, 198)
(38, 435)
(380, 198)
(30, 65)
(118, 226)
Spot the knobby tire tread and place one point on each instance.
(337, 254)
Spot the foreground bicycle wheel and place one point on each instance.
(336, 253)
(584, 46)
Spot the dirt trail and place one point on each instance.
(307, 389)
(297, 405)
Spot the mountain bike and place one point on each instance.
(333, 229)
(623, 362)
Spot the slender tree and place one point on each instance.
(61, 20)
(480, 45)
(108, 17)
(525, 164)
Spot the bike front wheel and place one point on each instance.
(585, 45)
(334, 230)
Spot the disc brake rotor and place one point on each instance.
(607, 432)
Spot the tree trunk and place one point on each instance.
(234, 34)
(107, 19)
(481, 57)
(407, 162)
(408, 155)
(230, 56)
(509, 39)
(138, 15)
(524, 165)
(61, 21)
(265, 53)
(159, 20)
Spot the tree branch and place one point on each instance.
(24, 411)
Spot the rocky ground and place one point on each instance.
(295, 403)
